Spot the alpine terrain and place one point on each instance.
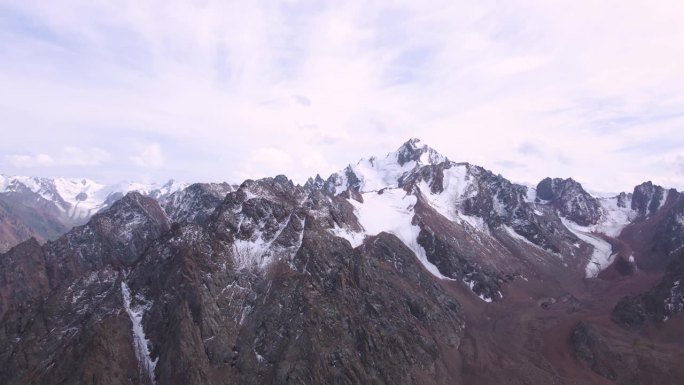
(45, 208)
(399, 269)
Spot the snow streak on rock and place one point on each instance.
(675, 302)
(257, 252)
(457, 187)
(140, 342)
(513, 234)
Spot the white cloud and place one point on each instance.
(68, 156)
(323, 84)
(515, 65)
(264, 162)
(75, 156)
(28, 161)
(150, 156)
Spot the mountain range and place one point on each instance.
(46, 208)
(405, 269)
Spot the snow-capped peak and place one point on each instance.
(413, 151)
(376, 173)
(79, 198)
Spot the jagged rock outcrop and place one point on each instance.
(593, 350)
(647, 198)
(116, 237)
(196, 202)
(413, 151)
(656, 305)
(23, 277)
(570, 199)
(63, 321)
(655, 239)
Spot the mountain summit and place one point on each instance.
(375, 173)
(412, 151)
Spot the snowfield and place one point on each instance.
(603, 252)
(392, 212)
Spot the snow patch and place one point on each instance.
(260, 359)
(602, 256)
(354, 237)
(392, 212)
(249, 195)
(614, 217)
(530, 193)
(477, 223)
(680, 219)
(456, 188)
(375, 173)
(471, 286)
(675, 302)
(140, 341)
(378, 174)
(79, 199)
(258, 251)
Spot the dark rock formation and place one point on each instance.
(570, 199)
(196, 202)
(656, 305)
(647, 198)
(591, 349)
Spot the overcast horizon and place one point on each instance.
(225, 91)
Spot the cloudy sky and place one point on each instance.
(220, 90)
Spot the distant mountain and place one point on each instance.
(407, 268)
(45, 208)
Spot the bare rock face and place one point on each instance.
(321, 312)
(61, 315)
(570, 200)
(316, 183)
(25, 215)
(591, 349)
(413, 151)
(23, 277)
(78, 332)
(116, 237)
(656, 239)
(345, 323)
(656, 305)
(634, 312)
(669, 233)
(647, 198)
(195, 203)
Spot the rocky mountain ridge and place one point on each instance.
(404, 269)
(46, 208)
